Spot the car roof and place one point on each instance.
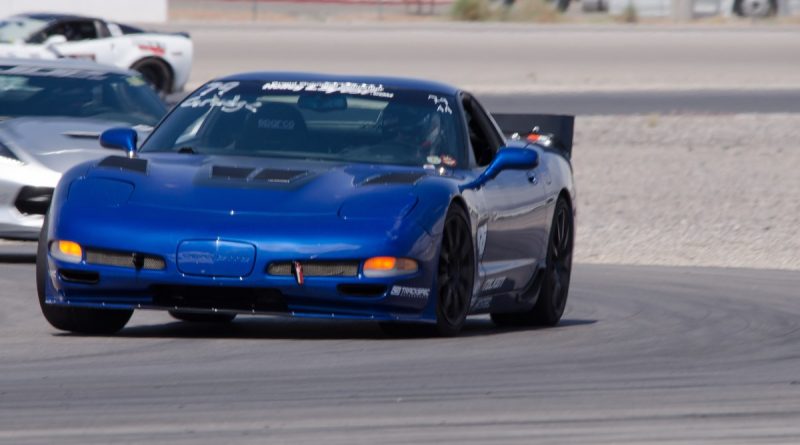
(75, 64)
(53, 16)
(386, 81)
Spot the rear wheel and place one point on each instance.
(194, 317)
(73, 319)
(156, 72)
(555, 287)
(755, 8)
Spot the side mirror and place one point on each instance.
(120, 138)
(55, 39)
(506, 159)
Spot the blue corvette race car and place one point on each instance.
(394, 200)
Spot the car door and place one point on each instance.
(516, 205)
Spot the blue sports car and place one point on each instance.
(307, 195)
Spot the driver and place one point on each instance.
(417, 128)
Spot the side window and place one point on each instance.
(102, 29)
(482, 136)
(73, 31)
(80, 30)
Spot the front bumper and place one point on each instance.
(126, 286)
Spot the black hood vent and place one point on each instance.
(123, 163)
(394, 178)
(221, 172)
(280, 176)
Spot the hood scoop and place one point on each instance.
(394, 178)
(123, 163)
(82, 134)
(222, 172)
(279, 176)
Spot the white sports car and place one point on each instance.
(165, 60)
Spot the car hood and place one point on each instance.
(57, 143)
(278, 187)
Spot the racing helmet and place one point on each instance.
(406, 122)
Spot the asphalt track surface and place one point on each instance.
(643, 355)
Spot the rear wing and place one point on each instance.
(561, 127)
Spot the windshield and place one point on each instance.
(34, 91)
(338, 121)
(19, 28)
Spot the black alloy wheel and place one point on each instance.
(455, 277)
(554, 290)
(456, 273)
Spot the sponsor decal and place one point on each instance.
(448, 161)
(481, 240)
(481, 303)
(352, 88)
(152, 47)
(211, 96)
(231, 105)
(493, 284)
(441, 103)
(276, 124)
(435, 160)
(410, 292)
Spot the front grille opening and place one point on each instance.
(362, 290)
(79, 276)
(316, 268)
(223, 298)
(131, 260)
(34, 200)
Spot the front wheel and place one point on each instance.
(455, 276)
(74, 319)
(456, 273)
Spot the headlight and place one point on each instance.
(388, 266)
(99, 192)
(68, 251)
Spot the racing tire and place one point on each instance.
(549, 307)
(195, 317)
(156, 72)
(73, 319)
(455, 273)
(755, 9)
(454, 280)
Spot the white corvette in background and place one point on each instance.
(165, 60)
